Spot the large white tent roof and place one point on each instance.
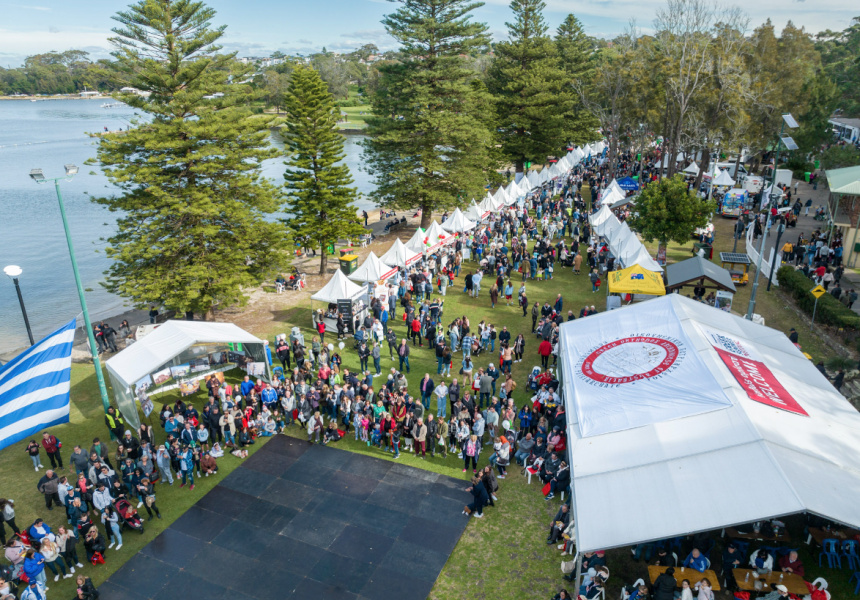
(399, 255)
(168, 340)
(338, 288)
(458, 223)
(372, 269)
(685, 418)
(473, 212)
(416, 242)
(724, 179)
(600, 217)
(642, 258)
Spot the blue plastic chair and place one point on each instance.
(857, 577)
(785, 551)
(830, 551)
(675, 544)
(743, 547)
(850, 551)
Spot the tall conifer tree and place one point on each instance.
(430, 145)
(319, 198)
(577, 56)
(530, 88)
(190, 187)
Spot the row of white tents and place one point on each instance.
(402, 255)
(623, 242)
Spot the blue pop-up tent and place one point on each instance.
(628, 183)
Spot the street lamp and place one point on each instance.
(13, 271)
(39, 177)
(787, 119)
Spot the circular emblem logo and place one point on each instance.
(630, 359)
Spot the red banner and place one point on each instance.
(759, 382)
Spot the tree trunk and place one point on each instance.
(209, 315)
(519, 166)
(427, 213)
(706, 165)
(323, 259)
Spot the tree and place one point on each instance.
(533, 100)
(430, 142)
(319, 199)
(193, 200)
(334, 72)
(667, 211)
(837, 157)
(577, 54)
(276, 85)
(815, 129)
(840, 55)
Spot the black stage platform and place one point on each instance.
(302, 521)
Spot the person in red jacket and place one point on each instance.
(545, 350)
(52, 447)
(416, 332)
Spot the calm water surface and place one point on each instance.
(48, 134)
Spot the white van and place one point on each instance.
(753, 184)
(730, 167)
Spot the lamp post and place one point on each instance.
(787, 119)
(39, 177)
(13, 271)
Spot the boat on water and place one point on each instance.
(113, 104)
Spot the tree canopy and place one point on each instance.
(319, 199)
(192, 233)
(666, 211)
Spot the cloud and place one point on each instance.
(304, 42)
(366, 34)
(53, 29)
(29, 7)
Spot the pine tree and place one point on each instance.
(431, 140)
(192, 233)
(578, 60)
(319, 198)
(530, 87)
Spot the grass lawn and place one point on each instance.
(356, 117)
(502, 556)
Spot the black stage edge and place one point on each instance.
(302, 521)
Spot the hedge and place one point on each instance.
(829, 312)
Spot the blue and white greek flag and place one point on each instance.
(34, 387)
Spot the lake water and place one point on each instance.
(49, 134)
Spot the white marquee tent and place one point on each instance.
(473, 212)
(684, 418)
(692, 169)
(172, 344)
(399, 255)
(458, 223)
(416, 242)
(338, 288)
(372, 269)
(724, 179)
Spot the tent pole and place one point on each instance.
(575, 591)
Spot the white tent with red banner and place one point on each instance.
(473, 212)
(416, 242)
(435, 237)
(707, 419)
(458, 223)
(399, 255)
(372, 269)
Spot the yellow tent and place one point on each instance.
(636, 280)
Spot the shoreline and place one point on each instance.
(55, 97)
(137, 317)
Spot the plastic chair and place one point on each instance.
(821, 584)
(857, 577)
(636, 584)
(830, 551)
(707, 563)
(743, 546)
(850, 551)
(785, 551)
(675, 544)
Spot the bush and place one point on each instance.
(829, 312)
(799, 167)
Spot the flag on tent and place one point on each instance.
(34, 387)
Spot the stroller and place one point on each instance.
(128, 515)
(533, 378)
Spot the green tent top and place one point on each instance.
(844, 181)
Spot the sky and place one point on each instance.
(260, 27)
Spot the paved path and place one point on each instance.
(807, 225)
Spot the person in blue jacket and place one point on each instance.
(481, 498)
(695, 560)
(38, 530)
(34, 566)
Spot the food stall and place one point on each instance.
(340, 295)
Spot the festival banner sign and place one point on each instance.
(757, 380)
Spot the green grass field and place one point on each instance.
(502, 556)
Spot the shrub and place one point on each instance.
(829, 312)
(799, 167)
